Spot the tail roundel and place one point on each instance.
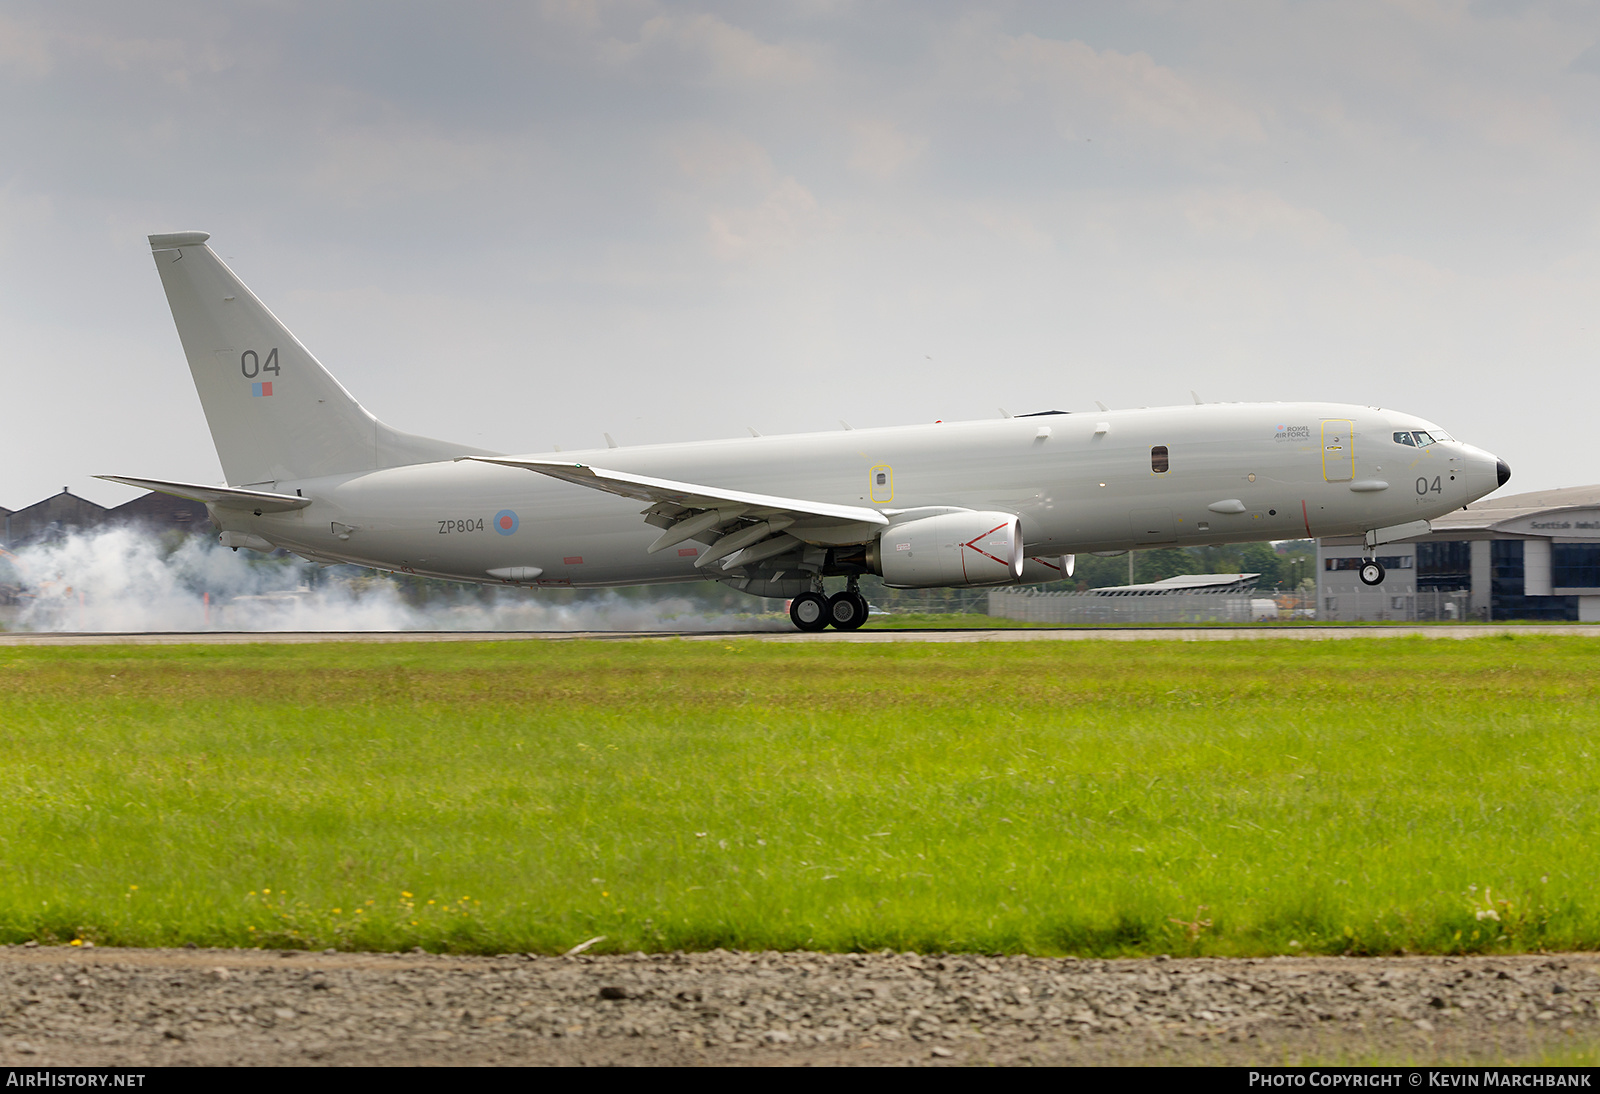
(275, 413)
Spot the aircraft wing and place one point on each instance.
(749, 527)
(260, 501)
(685, 494)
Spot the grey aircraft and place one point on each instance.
(953, 504)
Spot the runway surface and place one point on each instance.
(1037, 634)
(134, 1008)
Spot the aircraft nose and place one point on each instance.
(1502, 471)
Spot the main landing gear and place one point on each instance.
(1372, 572)
(843, 611)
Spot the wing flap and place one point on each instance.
(225, 497)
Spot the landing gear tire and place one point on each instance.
(809, 612)
(847, 611)
(1372, 573)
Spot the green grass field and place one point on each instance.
(1365, 796)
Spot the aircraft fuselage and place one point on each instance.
(1078, 482)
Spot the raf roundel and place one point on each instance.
(505, 522)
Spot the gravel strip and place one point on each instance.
(70, 1006)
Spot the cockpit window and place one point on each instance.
(1403, 438)
(1423, 439)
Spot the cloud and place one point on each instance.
(34, 53)
(881, 149)
(787, 216)
(24, 50)
(645, 190)
(1088, 92)
(1250, 215)
(721, 158)
(363, 164)
(1588, 61)
(1090, 88)
(585, 15)
(751, 210)
(718, 52)
(19, 210)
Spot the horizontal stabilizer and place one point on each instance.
(225, 497)
(688, 495)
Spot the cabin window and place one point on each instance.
(1158, 459)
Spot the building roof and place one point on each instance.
(66, 512)
(1499, 513)
(1185, 583)
(1543, 499)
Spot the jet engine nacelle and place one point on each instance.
(959, 548)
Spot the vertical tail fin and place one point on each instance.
(275, 413)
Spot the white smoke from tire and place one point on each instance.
(132, 580)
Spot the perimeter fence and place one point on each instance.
(1045, 606)
(1360, 604)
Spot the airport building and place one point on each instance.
(1526, 556)
(64, 513)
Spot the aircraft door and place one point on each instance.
(1338, 450)
(881, 483)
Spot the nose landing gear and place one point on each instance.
(1372, 570)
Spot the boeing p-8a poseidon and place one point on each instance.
(954, 504)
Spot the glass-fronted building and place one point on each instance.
(1526, 556)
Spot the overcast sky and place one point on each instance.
(520, 225)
